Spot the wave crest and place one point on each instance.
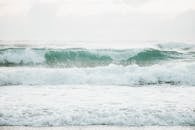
(85, 57)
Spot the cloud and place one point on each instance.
(135, 3)
(97, 7)
(97, 19)
(14, 8)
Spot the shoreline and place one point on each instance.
(99, 127)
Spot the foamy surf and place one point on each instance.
(174, 74)
(74, 85)
(97, 105)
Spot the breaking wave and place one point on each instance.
(173, 74)
(85, 57)
(78, 86)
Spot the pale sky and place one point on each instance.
(91, 20)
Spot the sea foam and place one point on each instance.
(173, 73)
(97, 105)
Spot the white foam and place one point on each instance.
(26, 56)
(173, 73)
(96, 105)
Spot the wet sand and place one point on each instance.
(99, 128)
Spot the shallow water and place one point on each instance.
(100, 128)
(97, 105)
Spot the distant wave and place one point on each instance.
(86, 57)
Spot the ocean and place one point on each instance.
(78, 83)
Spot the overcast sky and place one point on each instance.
(91, 20)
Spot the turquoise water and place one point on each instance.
(87, 57)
